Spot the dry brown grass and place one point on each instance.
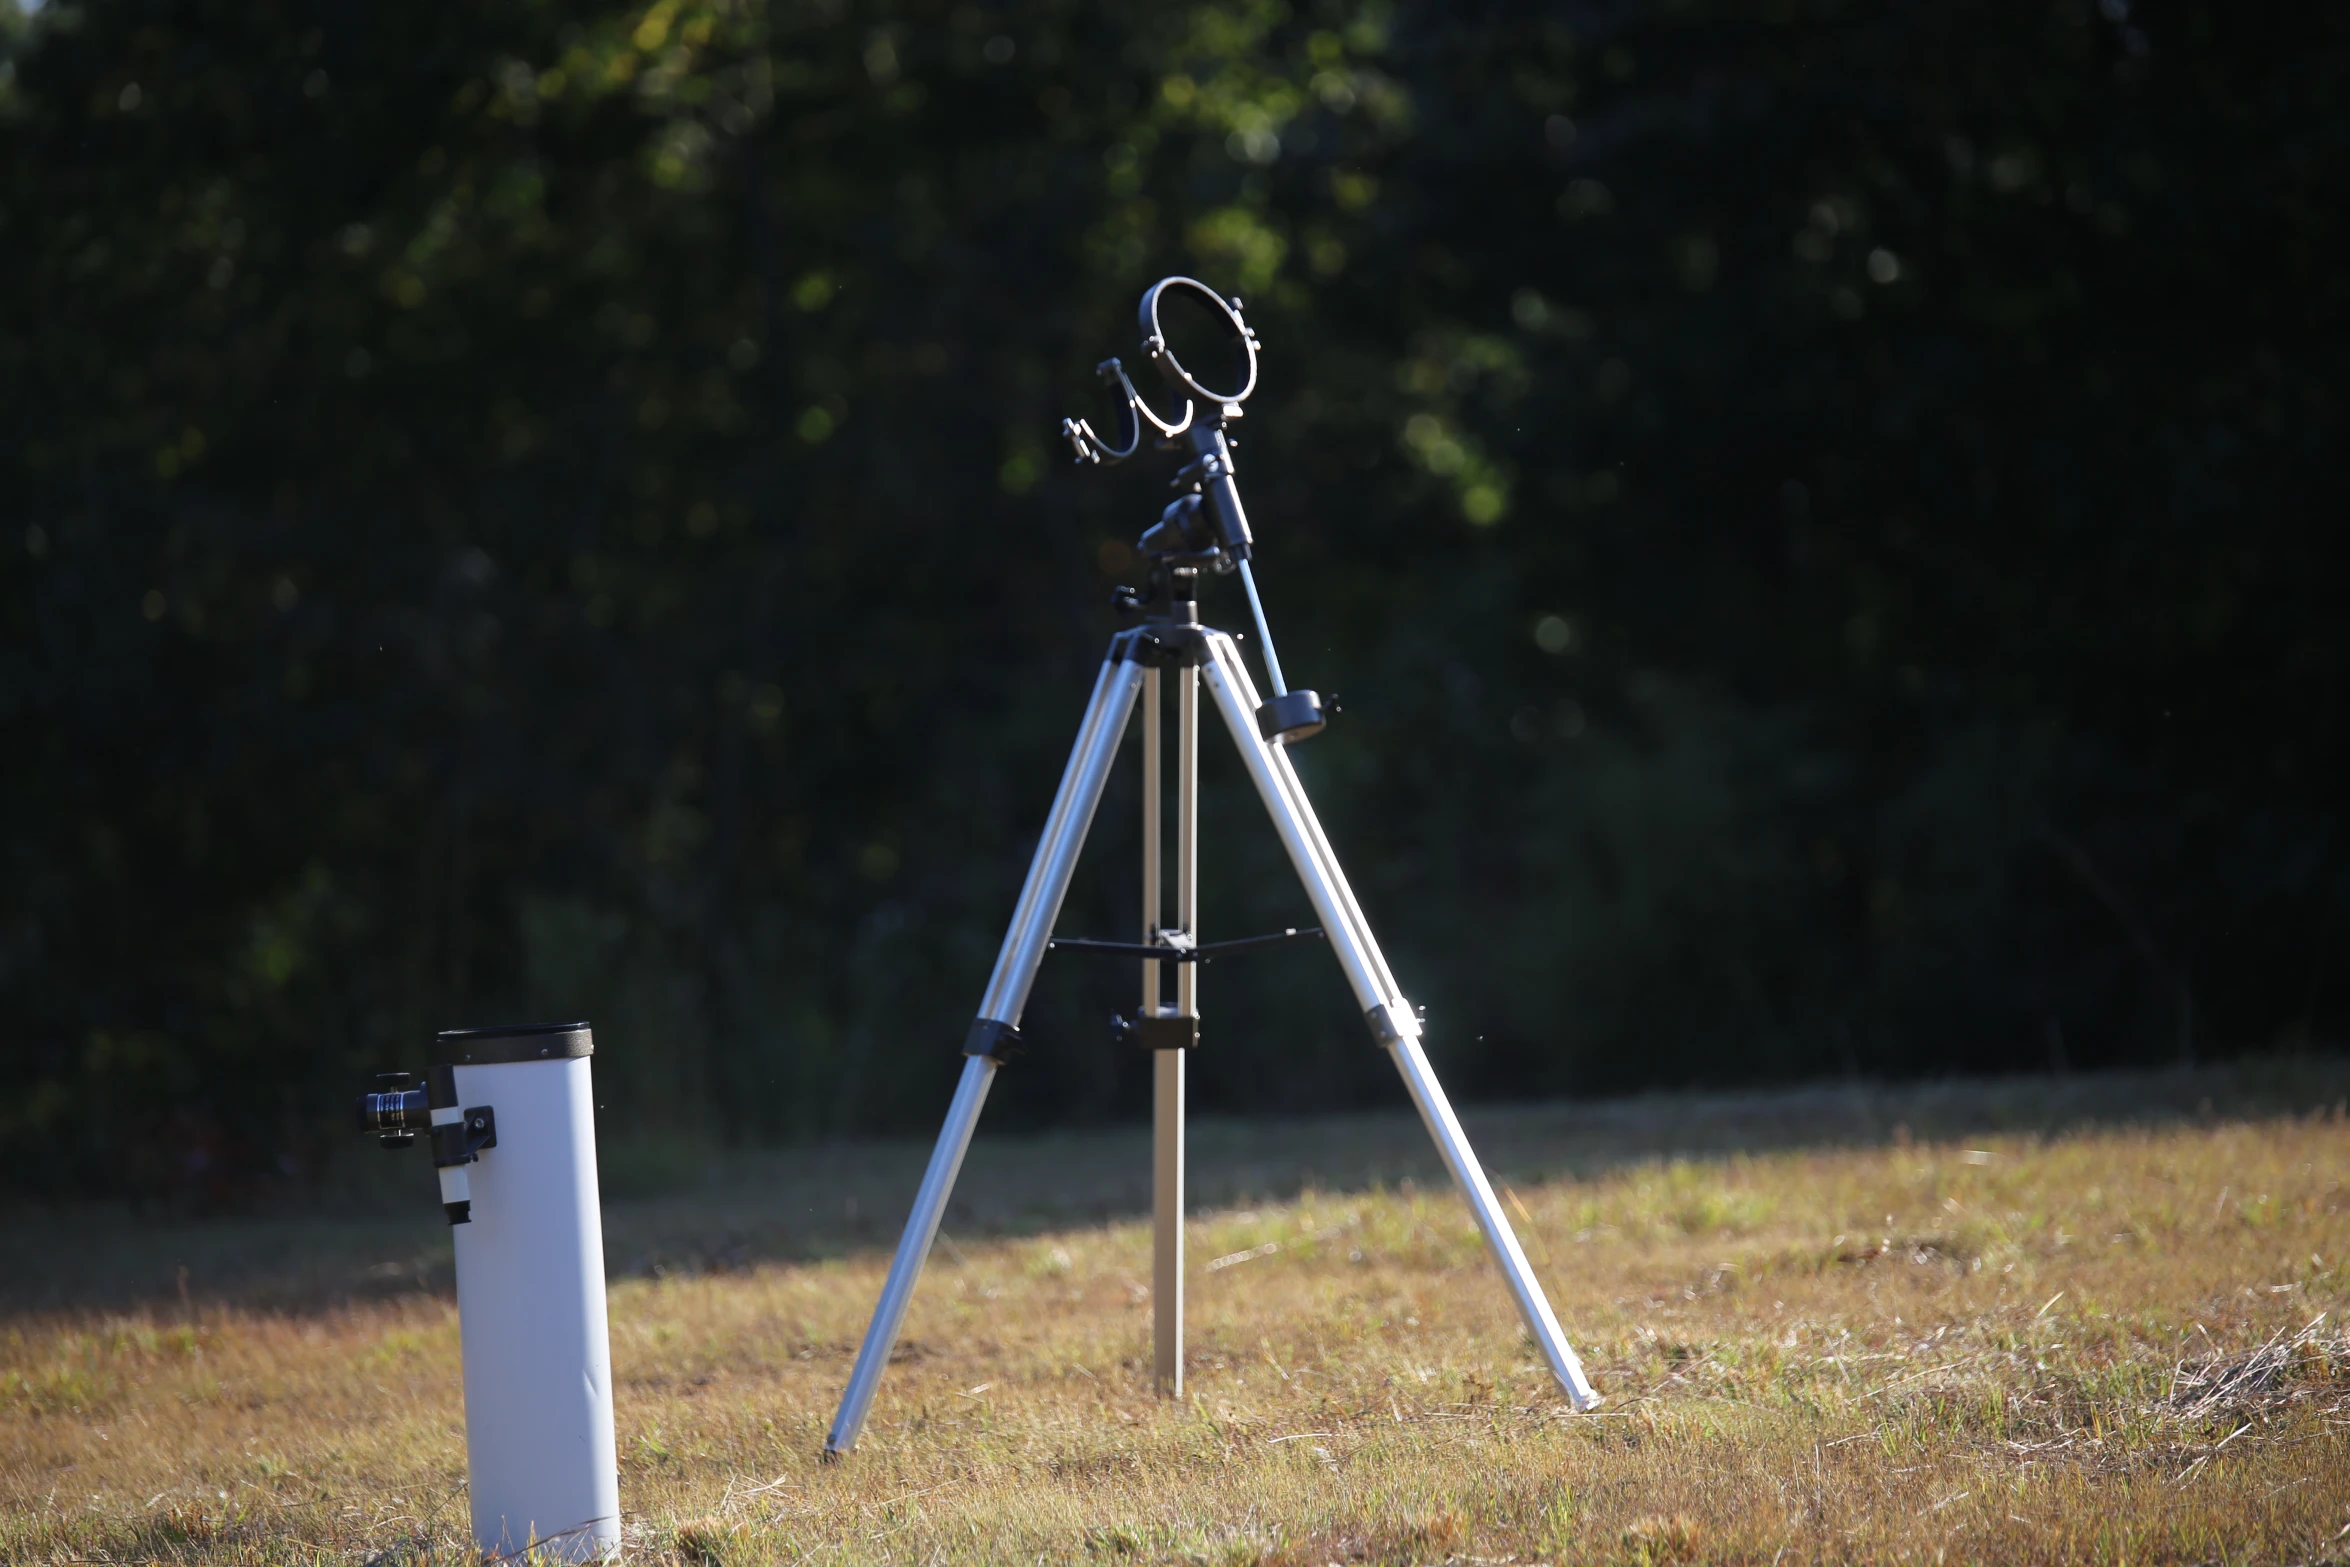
(2110, 1344)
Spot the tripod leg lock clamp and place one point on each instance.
(1395, 1021)
(1163, 1030)
(997, 1041)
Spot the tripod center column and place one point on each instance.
(1187, 832)
(1153, 835)
(1169, 1067)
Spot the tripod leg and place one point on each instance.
(905, 1268)
(1391, 1017)
(1065, 827)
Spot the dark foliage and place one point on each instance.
(1822, 513)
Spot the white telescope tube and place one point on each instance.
(530, 1300)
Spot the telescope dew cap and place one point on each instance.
(508, 1043)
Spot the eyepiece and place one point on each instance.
(395, 1112)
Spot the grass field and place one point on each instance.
(2091, 1319)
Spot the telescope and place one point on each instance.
(542, 1461)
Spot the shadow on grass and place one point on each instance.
(676, 1208)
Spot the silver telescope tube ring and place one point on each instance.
(1134, 413)
(1154, 341)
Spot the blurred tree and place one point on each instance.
(1820, 513)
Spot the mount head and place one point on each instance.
(1207, 354)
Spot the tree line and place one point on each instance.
(1822, 515)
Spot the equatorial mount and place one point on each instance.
(1205, 528)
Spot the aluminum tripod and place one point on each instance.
(1138, 658)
